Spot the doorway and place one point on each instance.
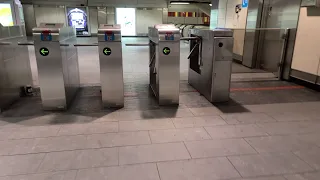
(126, 17)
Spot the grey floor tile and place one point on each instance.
(62, 175)
(311, 138)
(63, 143)
(269, 164)
(5, 178)
(205, 111)
(202, 121)
(283, 128)
(152, 153)
(67, 160)
(204, 169)
(23, 132)
(215, 148)
(120, 139)
(278, 144)
(292, 116)
(168, 113)
(310, 156)
(130, 115)
(176, 135)
(20, 164)
(306, 176)
(89, 128)
(142, 125)
(266, 178)
(18, 146)
(235, 131)
(132, 172)
(238, 118)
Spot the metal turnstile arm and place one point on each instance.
(5, 43)
(25, 43)
(138, 44)
(152, 59)
(64, 45)
(83, 45)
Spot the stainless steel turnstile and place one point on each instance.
(111, 68)
(58, 68)
(15, 70)
(165, 63)
(211, 63)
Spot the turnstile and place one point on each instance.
(211, 63)
(111, 68)
(164, 48)
(58, 67)
(15, 70)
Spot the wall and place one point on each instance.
(93, 19)
(29, 18)
(306, 56)
(146, 18)
(50, 14)
(194, 19)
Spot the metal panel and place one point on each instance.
(311, 78)
(111, 66)
(215, 62)
(15, 70)
(58, 70)
(165, 67)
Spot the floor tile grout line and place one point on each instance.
(251, 145)
(187, 149)
(302, 160)
(234, 166)
(158, 171)
(40, 164)
(77, 173)
(207, 132)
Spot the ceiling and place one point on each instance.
(116, 3)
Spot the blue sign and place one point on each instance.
(169, 37)
(245, 3)
(109, 37)
(46, 37)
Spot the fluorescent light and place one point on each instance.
(210, 4)
(179, 3)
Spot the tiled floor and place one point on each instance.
(259, 136)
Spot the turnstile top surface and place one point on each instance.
(109, 32)
(54, 32)
(164, 32)
(207, 33)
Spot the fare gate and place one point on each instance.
(58, 67)
(111, 65)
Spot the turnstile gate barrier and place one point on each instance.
(111, 67)
(58, 67)
(211, 63)
(164, 48)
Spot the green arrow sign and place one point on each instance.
(44, 51)
(166, 51)
(107, 51)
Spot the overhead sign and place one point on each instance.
(107, 51)
(166, 51)
(44, 51)
(245, 3)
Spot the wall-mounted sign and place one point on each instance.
(166, 51)
(78, 18)
(245, 3)
(107, 51)
(44, 51)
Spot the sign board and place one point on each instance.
(107, 51)
(245, 3)
(166, 51)
(109, 36)
(169, 36)
(46, 36)
(44, 51)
